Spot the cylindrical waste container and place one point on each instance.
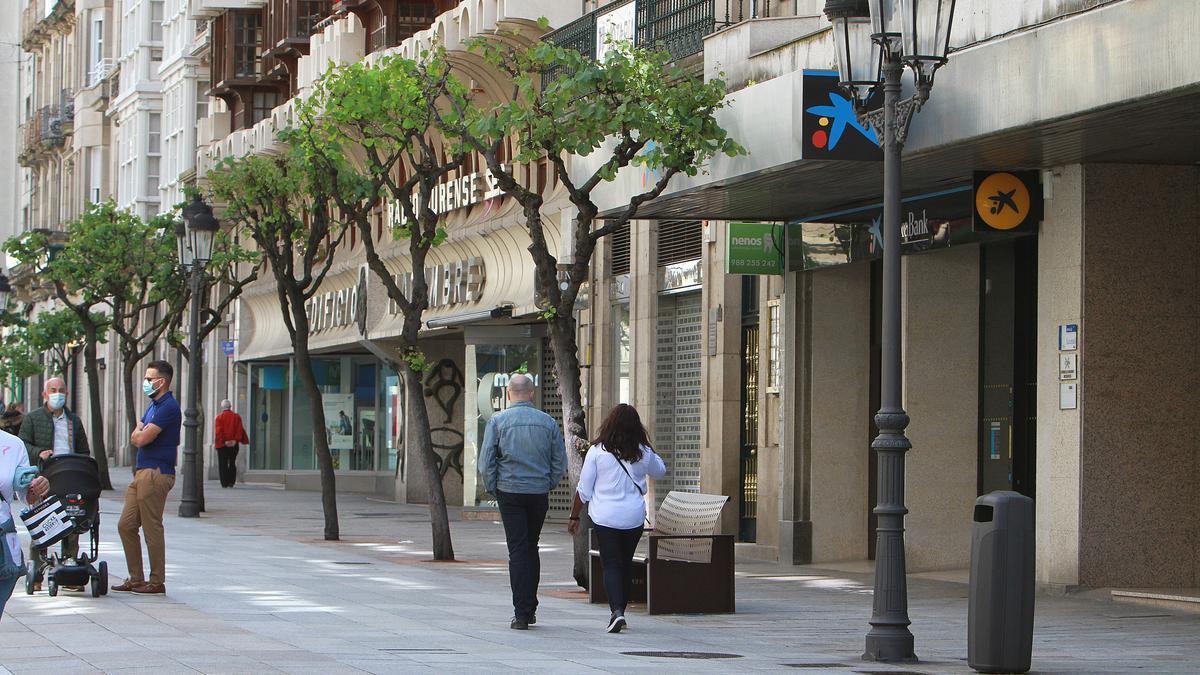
(1000, 614)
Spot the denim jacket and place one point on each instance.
(522, 452)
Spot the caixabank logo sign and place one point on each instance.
(1007, 201)
(830, 127)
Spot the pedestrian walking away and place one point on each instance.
(521, 459)
(157, 441)
(613, 483)
(228, 432)
(17, 479)
(52, 430)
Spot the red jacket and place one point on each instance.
(229, 428)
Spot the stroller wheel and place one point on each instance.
(102, 578)
(53, 587)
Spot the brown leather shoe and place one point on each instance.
(150, 588)
(128, 587)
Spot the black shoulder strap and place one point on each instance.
(626, 470)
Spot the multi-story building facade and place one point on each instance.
(12, 62)
(763, 387)
(136, 106)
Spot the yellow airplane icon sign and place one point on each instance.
(1002, 201)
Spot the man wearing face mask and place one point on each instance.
(157, 441)
(50, 430)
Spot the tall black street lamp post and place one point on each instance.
(194, 239)
(872, 54)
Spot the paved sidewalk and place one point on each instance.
(253, 588)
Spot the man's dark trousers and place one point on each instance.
(523, 516)
(227, 465)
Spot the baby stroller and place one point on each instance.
(72, 507)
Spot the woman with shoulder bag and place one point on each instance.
(613, 484)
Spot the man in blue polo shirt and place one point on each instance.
(157, 441)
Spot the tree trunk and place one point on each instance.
(320, 441)
(91, 365)
(566, 371)
(420, 439)
(128, 371)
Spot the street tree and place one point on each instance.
(18, 358)
(375, 131)
(139, 283)
(58, 333)
(636, 107)
(280, 203)
(71, 272)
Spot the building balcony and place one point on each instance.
(42, 18)
(679, 26)
(43, 132)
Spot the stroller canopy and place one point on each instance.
(72, 475)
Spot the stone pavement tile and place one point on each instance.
(132, 659)
(175, 669)
(42, 667)
(293, 669)
(171, 644)
(389, 667)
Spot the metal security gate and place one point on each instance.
(560, 497)
(676, 431)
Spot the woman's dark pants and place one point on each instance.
(616, 555)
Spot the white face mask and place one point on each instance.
(57, 401)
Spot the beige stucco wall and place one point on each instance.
(839, 409)
(941, 395)
(1060, 274)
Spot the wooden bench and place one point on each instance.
(685, 567)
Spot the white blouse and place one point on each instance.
(12, 457)
(613, 497)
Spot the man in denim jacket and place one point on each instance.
(523, 457)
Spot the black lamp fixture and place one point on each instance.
(200, 228)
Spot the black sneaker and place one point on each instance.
(615, 623)
(532, 619)
(518, 624)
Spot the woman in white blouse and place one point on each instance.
(14, 480)
(613, 483)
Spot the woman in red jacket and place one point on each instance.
(229, 432)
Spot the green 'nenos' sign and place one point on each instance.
(754, 248)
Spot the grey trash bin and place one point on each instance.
(1000, 614)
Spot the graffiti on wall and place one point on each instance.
(444, 385)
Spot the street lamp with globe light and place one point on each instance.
(873, 48)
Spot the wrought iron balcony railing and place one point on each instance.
(679, 26)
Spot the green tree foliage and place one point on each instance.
(374, 130)
(286, 208)
(58, 333)
(639, 110)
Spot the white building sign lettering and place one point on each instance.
(454, 283)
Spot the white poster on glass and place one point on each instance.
(339, 420)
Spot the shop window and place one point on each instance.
(622, 347)
(774, 355)
(393, 425)
(328, 373)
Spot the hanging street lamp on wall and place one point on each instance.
(875, 41)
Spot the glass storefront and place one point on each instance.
(393, 424)
(351, 397)
(268, 401)
(489, 366)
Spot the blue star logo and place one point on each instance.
(841, 115)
